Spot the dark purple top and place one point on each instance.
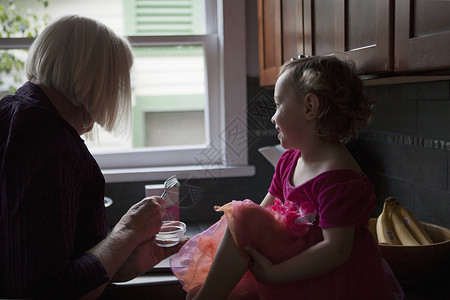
(51, 197)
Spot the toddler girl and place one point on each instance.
(309, 238)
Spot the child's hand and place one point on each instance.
(261, 267)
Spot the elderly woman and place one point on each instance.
(53, 230)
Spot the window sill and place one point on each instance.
(182, 172)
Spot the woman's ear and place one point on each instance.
(311, 106)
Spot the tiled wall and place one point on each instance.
(406, 148)
(405, 151)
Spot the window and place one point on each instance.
(189, 87)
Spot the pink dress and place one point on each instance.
(334, 198)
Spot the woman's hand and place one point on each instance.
(143, 258)
(144, 219)
(129, 243)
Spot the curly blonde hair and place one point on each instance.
(344, 107)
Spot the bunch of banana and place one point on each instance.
(397, 226)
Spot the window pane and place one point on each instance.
(168, 92)
(12, 73)
(174, 128)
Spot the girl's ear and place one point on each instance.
(311, 106)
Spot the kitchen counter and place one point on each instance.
(158, 283)
(147, 290)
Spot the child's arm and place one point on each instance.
(320, 258)
(268, 200)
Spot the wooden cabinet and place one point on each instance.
(269, 41)
(292, 29)
(362, 30)
(358, 29)
(281, 36)
(422, 36)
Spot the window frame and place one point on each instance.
(226, 123)
(174, 155)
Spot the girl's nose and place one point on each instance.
(273, 119)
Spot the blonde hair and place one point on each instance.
(89, 64)
(344, 108)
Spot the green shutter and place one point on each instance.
(163, 17)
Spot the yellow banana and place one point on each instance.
(413, 225)
(404, 235)
(385, 230)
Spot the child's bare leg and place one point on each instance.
(192, 293)
(227, 269)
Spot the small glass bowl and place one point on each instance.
(170, 233)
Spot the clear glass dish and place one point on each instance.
(170, 233)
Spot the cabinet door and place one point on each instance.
(292, 29)
(422, 35)
(270, 41)
(319, 17)
(359, 29)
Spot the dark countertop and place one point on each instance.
(159, 283)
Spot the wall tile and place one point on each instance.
(260, 106)
(405, 151)
(432, 206)
(433, 119)
(403, 191)
(436, 90)
(428, 166)
(394, 115)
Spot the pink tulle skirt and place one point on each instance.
(262, 229)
